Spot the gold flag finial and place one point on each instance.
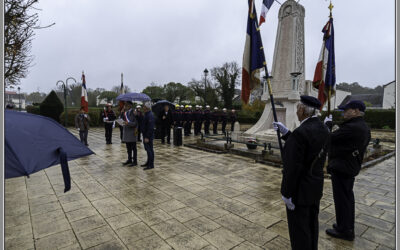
(330, 8)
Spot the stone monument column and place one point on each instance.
(288, 58)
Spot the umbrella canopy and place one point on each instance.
(133, 97)
(34, 142)
(158, 106)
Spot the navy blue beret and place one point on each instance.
(355, 104)
(310, 101)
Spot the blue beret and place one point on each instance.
(355, 104)
(310, 101)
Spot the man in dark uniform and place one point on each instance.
(139, 118)
(121, 116)
(185, 119)
(108, 118)
(233, 118)
(207, 119)
(303, 176)
(224, 119)
(175, 116)
(197, 117)
(215, 119)
(191, 119)
(347, 148)
(129, 136)
(148, 135)
(165, 119)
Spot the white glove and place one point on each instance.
(85, 115)
(328, 119)
(78, 129)
(288, 202)
(279, 126)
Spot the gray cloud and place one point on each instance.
(161, 41)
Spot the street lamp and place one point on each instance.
(19, 97)
(295, 84)
(205, 85)
(65, 87)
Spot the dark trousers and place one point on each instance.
(150, 153)
(232, 125)
(138, 135)
(223, 126)
(121, 131)
(166, 131)
(108, 128)
(187, 126)
(207, 127)
(343, 196)
(197, 127)
(215, 127)
(131, 148)
(303, 227)
(83, 136)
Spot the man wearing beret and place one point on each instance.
(303, 159)
(347, 148)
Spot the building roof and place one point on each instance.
(375, 99)
(388, 83)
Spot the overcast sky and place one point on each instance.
(161, 41)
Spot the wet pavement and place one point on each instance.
(191, 200)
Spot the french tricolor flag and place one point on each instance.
(84, 97)
(266, 5)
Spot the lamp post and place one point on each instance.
(205, 85)
(295, 85)
(65, 87)
(19, 98)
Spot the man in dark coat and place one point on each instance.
(303, 177)
(207, 119)
(198, 116)
(165, 119)
(215, 119)
(139, 118)
(347, 148)
(108, 117)
(175, 116)
(129, 135)
(148, 135)
(82, 124)
(191, 119)
(233, 118)
(224, 119)
(187, 119)
(121, 116)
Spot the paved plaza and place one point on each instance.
(191, 200)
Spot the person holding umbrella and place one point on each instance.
(165, 118)
(148, 135)
(129, 136)
(108, 118)
(82, 124)
(139, 118)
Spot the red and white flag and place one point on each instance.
(84, 97)
(266, 5)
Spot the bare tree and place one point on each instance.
(227, 77)
(20, 21)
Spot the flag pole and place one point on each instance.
(330, 86)
(271, 96)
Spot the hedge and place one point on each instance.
(94, 114)
(51, 106)
(33, 109)
(375, 118)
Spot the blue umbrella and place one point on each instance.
(133, 97)
(34, 142)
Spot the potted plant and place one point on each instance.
(251, 143)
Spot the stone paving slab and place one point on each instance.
(191, 200)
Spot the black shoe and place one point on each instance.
(86, 144)
(144, 165)
(147, 168)
(341, 235)
(335, 226)
(133, 164)
(127, 162)
(168, 142)
(139, 140)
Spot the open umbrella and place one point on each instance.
(133, 97)
(34, 142)
(159, 106)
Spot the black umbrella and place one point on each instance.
(34, 142)
(159, 106)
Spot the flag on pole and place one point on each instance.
(84, 97)
(253, 56)
(325, 76)
(266, 5)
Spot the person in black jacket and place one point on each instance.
(108, 117)
(224, 119)
(215, 119)
(198, 120)
(166, 120)
(207, 119)
(303, 176)
(347, 148)
(139, 118)
(148, 135)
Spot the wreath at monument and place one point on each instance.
(251, 143)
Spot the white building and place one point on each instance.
(102, 101)
(389, 98)
(11, 97)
